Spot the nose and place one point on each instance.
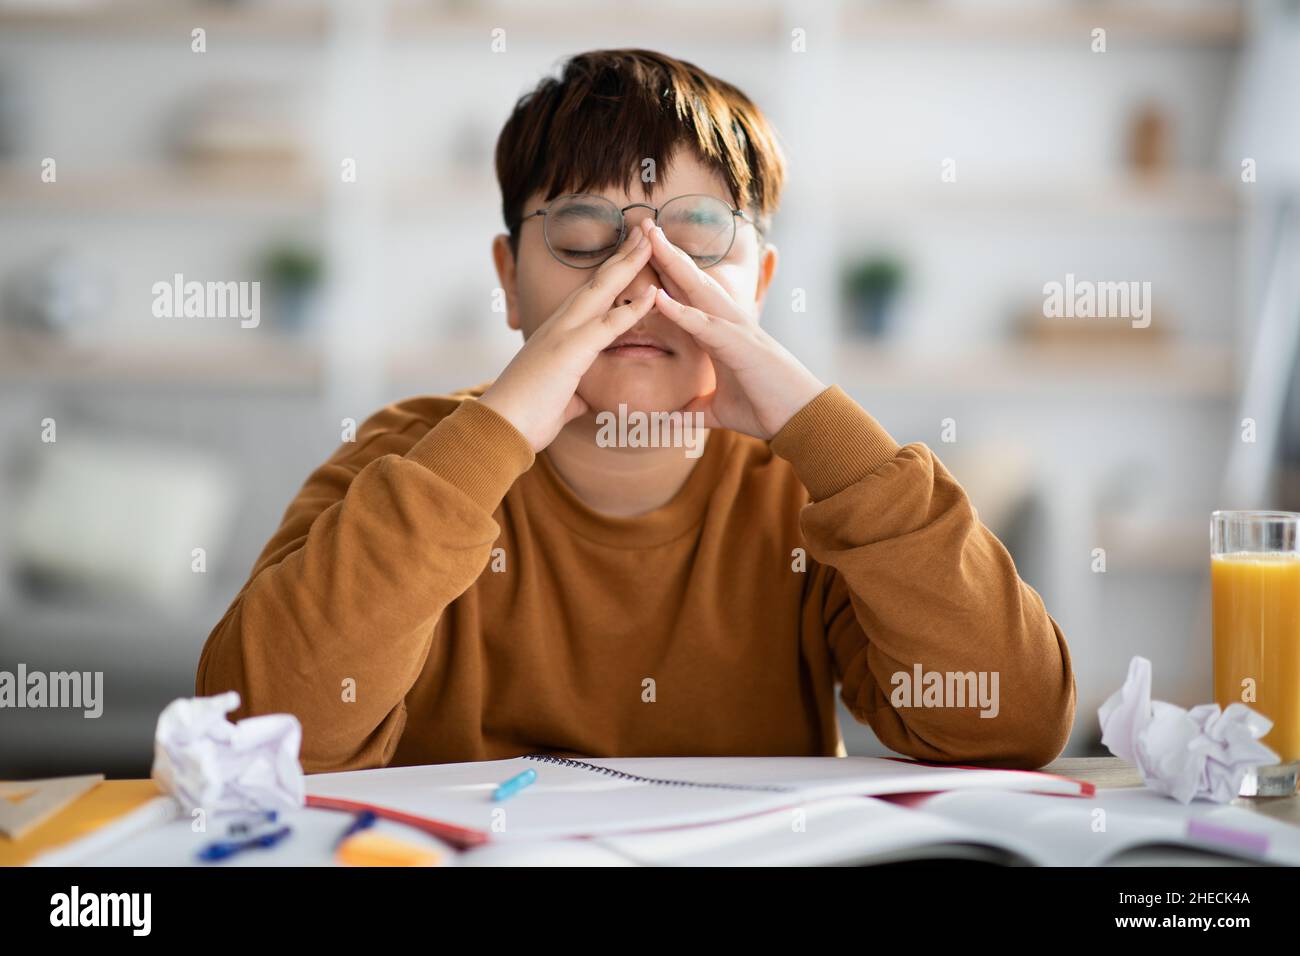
(634, 216)
(648, 274)
(640, 282)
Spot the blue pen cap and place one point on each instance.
(514, 784)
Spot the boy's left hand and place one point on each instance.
(760, 384)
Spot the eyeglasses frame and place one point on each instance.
(622, 235)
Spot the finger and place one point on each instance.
(595, 297)
(605, 329)
(576, 408)
(566, 313)
(708, 330)
(696, 284)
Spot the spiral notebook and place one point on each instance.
(599, 797)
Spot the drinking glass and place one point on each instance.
(1255, 583)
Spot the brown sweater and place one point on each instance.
(382, 614)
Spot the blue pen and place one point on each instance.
(227, 848)
(514, 785)
(363, 821)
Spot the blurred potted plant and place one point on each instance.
(870, 287)
(293, 274)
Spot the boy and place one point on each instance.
(482, 575)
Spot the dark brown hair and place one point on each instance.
(611, 109)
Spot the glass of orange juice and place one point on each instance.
(1255, 582)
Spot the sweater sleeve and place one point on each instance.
(337, 618)
(914, 585)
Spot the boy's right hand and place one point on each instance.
(538, 391)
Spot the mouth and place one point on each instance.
(638, 346)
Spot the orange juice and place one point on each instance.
(1257, 640)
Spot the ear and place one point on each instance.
(767, 261)
(504, 260)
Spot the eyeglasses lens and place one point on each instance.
(583, 231)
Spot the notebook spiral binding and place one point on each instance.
(659, 781)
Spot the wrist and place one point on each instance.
(800, 396)
(833, 442)
(505, 408)
(476, 450)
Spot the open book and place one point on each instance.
(798, 811)
(602, 797)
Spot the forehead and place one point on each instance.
(680, 174)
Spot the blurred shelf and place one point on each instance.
(163, 189)
(1178, 198)
(157, 17)
(412, 196)
(180, 188)
(1204, 24)
(1181, 371)
(1222, 24)
(1218, 24)
(57, 628)
(756, 20)
(458, 363)
(264, 362)
(267, 363)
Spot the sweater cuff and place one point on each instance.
(477, 450)
(833, 442)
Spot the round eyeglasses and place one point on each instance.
(582, 230)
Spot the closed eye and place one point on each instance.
(585, 253)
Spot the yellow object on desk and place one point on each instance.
(107, 802)
(377, 849)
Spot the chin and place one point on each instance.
(639, 390)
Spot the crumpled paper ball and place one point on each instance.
(1184, 754)
(204, 760)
